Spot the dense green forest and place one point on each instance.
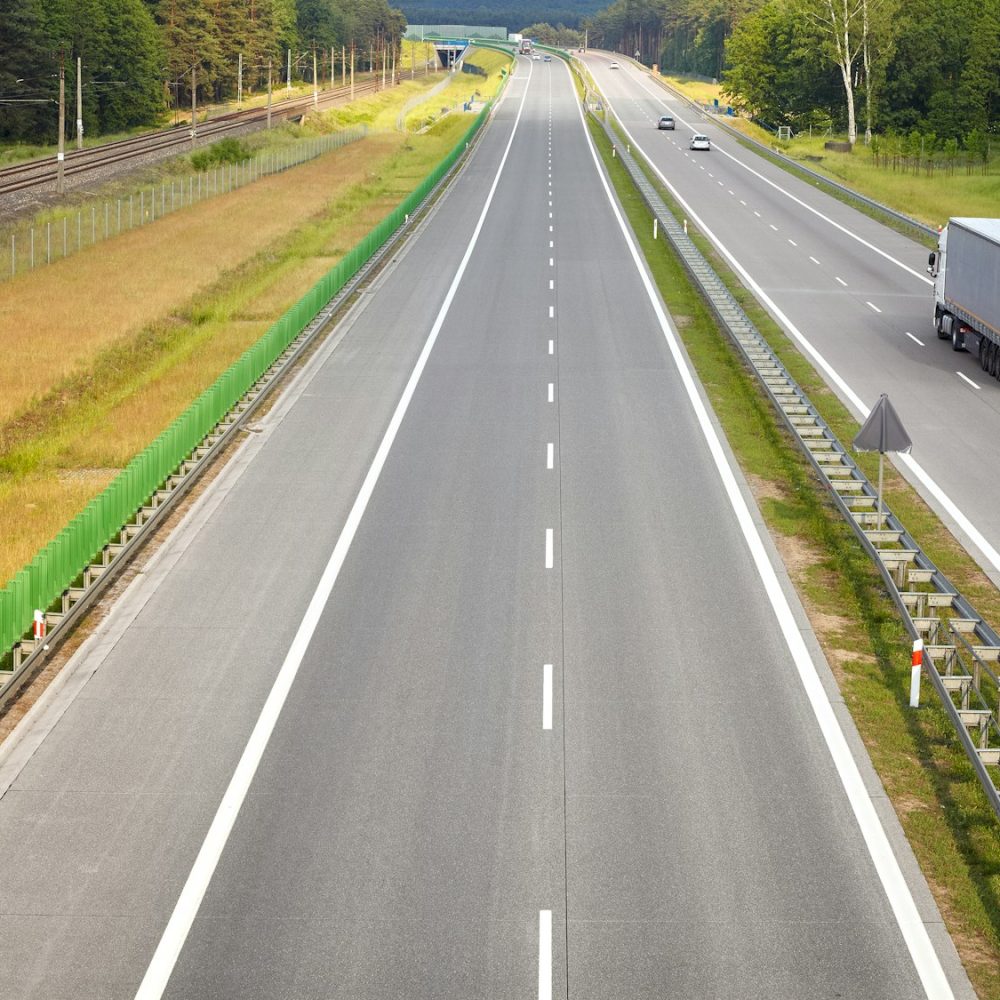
(511, 14)
(860, 66)
(137, 55)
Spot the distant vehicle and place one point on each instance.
(966, 293)
(666, 122)
(546, 58)
(614, 65)
(525, 46)
(536, 57)
(699, 142)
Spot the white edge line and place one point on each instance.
(922, 953)
(547, 696)
(544, 955)
(168, 950)
(978, 539)
(798, 201)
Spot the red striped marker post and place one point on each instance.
(917, 665)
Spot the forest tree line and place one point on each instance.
(136, 56)
(859, 66)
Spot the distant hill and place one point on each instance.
(512, 14)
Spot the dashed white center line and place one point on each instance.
(550, 229)
(550, 452)
(773, 226)
(550, 215)
(794, 244)
(731, 192)
(552, 284)
(552, 312)
(815, 261)
(743, 203)
(551, 244)
(757, 214)
(552, 347)
(841, 280)
(552, 392)
(720, 184)
(552, 262)
(544, 955)
(871, 305)
(546, 711)
(965, 378)
(915, 340)
(549, 559)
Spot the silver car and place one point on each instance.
(699, 142)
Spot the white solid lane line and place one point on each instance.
(549, 558)
(552, 392)
(978, 539)
(911, 927)
(965, 378)
(550, 455)
(914, 339)
(547, 706)
(161, 966)
(799, 201)
(544, 955)
(871, 305)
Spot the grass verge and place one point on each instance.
(137, 357)
(929, 780)
(931, 197)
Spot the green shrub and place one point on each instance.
(224, 151)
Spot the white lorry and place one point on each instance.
(966, 272)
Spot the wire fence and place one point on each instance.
(41, 584)
(37, 244)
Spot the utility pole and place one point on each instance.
(239, 84)
(393, 84)
(315, 82)
(289, 77)
(383, 66)
(61, 154)
(343, 65)
(333, 67)
(269, 93)
(79, 103)
(194, 106)
(352, 72)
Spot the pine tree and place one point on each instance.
(27, 65)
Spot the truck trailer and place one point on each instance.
(966, 272)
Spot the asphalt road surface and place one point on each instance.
(852, 291)
(470, 676)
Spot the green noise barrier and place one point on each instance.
(43, 581)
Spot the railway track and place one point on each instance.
(39, 173)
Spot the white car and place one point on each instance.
(699, 142)
(536, 57)
(614, 65)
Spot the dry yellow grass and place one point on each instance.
(145, 348)
(53, 319)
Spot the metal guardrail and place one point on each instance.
(932, 609)
(793, 164)
(64, 594)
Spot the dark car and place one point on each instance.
(665, 122)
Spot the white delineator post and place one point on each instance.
(39, 624)
(918, 663)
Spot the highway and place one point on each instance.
(853, 293)
(474, 673)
